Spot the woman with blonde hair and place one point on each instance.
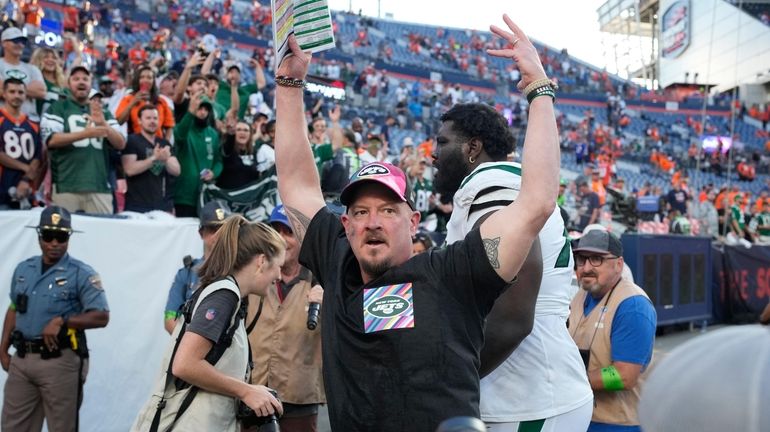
(50, 64)
(209, 357)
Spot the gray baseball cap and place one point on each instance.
(716, 382)
(602, 242)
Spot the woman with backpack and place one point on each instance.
(206, 365)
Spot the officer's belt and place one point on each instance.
(34, 346)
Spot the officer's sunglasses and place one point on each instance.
(60, 236)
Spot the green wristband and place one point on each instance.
(171, 315)
(541, 91)
(611, 379)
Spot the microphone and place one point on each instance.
(312, 315)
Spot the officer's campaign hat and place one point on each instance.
(214, 213)
(55, 218)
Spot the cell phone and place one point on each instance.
(144, 87)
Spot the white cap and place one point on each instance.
(12, 33)
(714, 383)
(408, 141)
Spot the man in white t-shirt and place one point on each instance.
(542, 384)
(11, 66)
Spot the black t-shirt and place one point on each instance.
(237, 169)
(410, 359)
(678, 200)
(213, 315)
(150, 189)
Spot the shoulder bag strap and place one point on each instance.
(253, 322)
(210, 358)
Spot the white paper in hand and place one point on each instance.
(309, 20)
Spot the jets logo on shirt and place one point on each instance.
(373, 170)
(388, 306)
(16, 73)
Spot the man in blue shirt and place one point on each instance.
(186, 279)
(54, 298)
(613, 324)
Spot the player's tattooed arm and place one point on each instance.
(491, 248)
(299, 222)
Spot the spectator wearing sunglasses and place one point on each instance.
(54, 298)
(213, 214)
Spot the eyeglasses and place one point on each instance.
(595, 260)
(59, 236)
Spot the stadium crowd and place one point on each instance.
(99, 127)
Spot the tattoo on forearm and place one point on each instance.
(490, 247)
(299, 222)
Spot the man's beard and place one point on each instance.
(591, 287)
(375, 269)
(451, 172)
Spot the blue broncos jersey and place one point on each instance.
(20, 140)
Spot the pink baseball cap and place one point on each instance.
(381, 172)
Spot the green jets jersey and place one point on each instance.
(738, 216)
(321, 154)
(763, 220)
(423, 189)
(82, 166)
(53, 94)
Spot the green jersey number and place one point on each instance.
(78, 123)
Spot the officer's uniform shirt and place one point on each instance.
(183, 287)
(70, 287)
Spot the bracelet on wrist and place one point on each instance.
(285, 81)
(540, 83)
(541, 91)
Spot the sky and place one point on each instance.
(571, 24)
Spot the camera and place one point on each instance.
(22, 300)
(249, 418)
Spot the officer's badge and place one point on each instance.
(96, 282)
(220, 214)
(55, 218)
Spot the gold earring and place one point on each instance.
(471, 160)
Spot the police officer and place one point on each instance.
(186, 280)
(54, 298)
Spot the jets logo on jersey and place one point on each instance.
(373, 170)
